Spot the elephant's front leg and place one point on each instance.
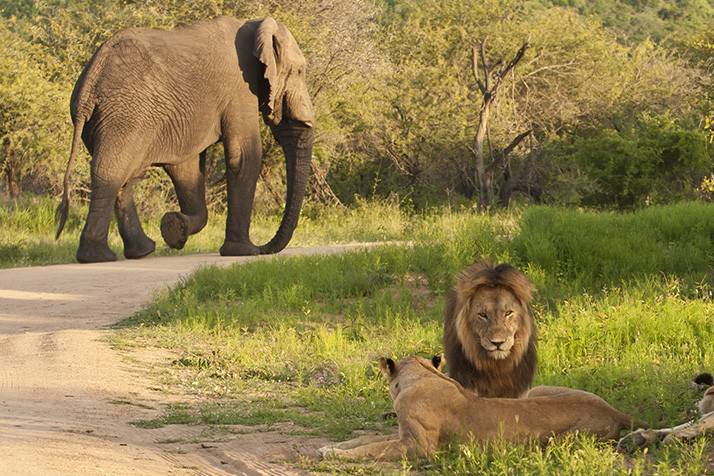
(136, 243)
(189, 179)
(243, 162)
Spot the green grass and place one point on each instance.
(624, 309)
(28, 227)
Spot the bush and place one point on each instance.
(653, 164)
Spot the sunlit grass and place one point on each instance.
(296, 339)
(27, 230)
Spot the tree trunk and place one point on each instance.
(506, 190)
(13, 188)
(481, 180)
(488, 83)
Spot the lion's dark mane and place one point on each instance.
(507, 378)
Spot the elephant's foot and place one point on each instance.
(174, 229)
(236, 248)
(137, 250)
(93, 252)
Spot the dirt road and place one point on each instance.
(66, 397)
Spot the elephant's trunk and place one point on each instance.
(296, 142)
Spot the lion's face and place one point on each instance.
(496, 316)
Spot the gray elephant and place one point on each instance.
(160, 98)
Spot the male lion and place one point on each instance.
(433, 408)
(685, 431)
(489, 331)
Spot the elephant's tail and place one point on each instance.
(81, 106)
(63, 208)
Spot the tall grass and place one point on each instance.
(624, 310)
(27, 229)
(591, 250)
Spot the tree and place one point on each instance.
(32, 139)
(489, 88)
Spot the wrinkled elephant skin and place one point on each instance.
(160, 98)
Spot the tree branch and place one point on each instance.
(474, 66)
(514, 61)
(549, 67)
(484, 65)
(515, 142)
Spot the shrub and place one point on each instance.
(652, 164)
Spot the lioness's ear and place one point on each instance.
(438, 362)
(387, 365)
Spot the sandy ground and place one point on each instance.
(66, 397)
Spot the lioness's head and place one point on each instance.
(493, 317)
(391, 369)
(704, 380)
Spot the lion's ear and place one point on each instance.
(438, 362)
(387, 366)
(705, 379)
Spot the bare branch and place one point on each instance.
(550, 67)
(511, 64)
(484, 65)
(474, 66)
(515, 142)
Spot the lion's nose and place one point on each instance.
(498, 342)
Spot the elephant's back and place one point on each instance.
(156, 88)
(157, 72)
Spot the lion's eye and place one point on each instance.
(483, 316)
(509, 314)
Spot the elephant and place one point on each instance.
(159, 98)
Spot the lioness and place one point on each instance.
(685, 431)
(489, 330)
(432, 408)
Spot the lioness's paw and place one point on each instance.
(637, 439)
(330, 452)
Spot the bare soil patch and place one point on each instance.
(67, 398)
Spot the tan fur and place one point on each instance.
(433, 408)
(686, 431)
(491, 303)
(706, 404)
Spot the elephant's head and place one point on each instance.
(287, 109)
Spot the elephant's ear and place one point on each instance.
(267, 50)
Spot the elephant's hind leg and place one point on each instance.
(93, 246)
(136, 243)
(189, 179)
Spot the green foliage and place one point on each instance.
(623, 308)
(661, 20)
(395, 96)
(575, 76)
(655, 164)
(31, 136)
